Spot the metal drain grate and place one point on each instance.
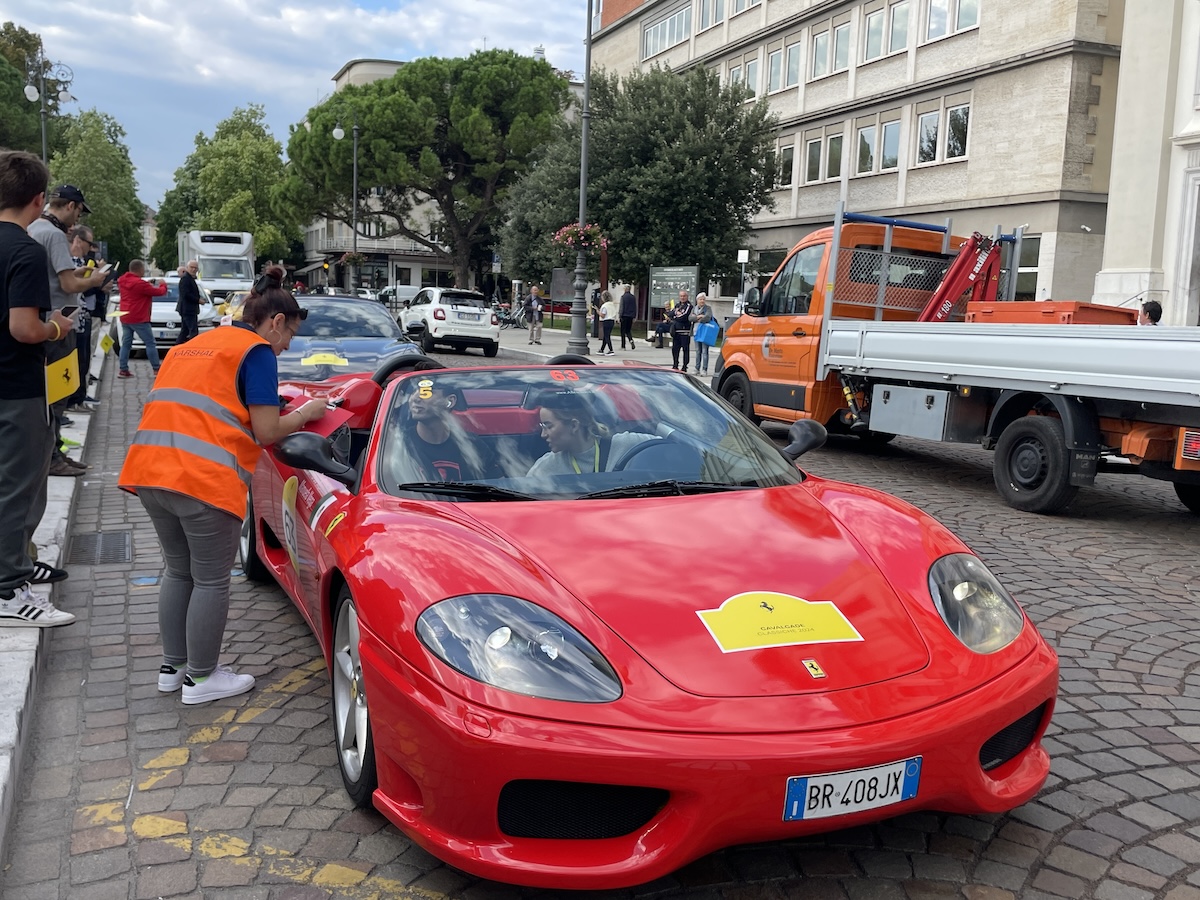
(94, 548)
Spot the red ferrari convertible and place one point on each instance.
(586, 624)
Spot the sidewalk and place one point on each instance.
(515, 342)
(23, 651)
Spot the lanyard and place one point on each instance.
(595, 465)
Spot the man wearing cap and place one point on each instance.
(66, 281)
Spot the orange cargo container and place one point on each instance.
(1050, 312)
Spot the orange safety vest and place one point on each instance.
(198, 442)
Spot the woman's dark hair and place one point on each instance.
(270, 298)
(573, 405)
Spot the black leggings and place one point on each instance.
(626, 330)
(606, 327)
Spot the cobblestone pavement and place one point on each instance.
(129, 794)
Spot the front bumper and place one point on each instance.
(444, 762)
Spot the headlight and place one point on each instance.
(973, 604)
(517, 646)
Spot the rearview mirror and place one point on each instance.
(753, 303)
(306, 450)
(804, 435)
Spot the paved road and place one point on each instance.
(130, 794)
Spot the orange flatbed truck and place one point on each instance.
(881, 327)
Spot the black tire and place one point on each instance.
(252, 565)
(1032, 465)
(491, 350)
(1189, 496)
(426, 341)
(352, 738)
(736, 389)
(570, 359)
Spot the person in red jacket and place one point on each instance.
(137, 296)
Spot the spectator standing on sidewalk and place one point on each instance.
(27, 323)
(534, 309)
(137, 299)
(628, 314)
(1150, 313)
(681, 331)
(608, 318)
(189, 301)
(66, 282)
(83, 252)
(214, 406)
(701, 315)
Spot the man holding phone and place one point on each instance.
(83, 252)
(66, 281)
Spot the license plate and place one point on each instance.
(162, 335)
(840, 793)
(470, 317)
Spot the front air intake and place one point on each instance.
(570, 810)
(1008, 742)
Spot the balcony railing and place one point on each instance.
(317, 244)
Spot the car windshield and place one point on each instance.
(330, 318)
(462, 298)
(212, 267)
(561, 433)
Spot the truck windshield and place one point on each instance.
(212, 267)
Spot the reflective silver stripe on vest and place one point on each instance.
(202, 402)
(194, 446)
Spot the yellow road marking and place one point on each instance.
(103, 813)
(219, 846)
(173, 758)
(151, 826)
(333, 875)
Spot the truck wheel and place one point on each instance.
(736, 390)
(1032, 465)
(1189, 496)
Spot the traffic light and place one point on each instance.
(325, 266)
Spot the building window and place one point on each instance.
(873, 34)
(898, 27)
(735, 74)
(774, 70)
(950, 17)
(712, 12)
(866, 151)
(938, 143)
(787, 156)
(820, 62)
(841, 47)
(793, 65)
(752, 76)
(743, 5)
(1027, 267)
(812, 160)
(878, 146)
(673, 30)
(833, 156)
(889, 146)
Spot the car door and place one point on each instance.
(791, 334)
(415, 315)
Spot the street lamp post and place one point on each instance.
(338, 134)
(577, 342)
(60, 73)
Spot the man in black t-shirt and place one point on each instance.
(26, 433)
(432, 442)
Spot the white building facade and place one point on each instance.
(992, 113)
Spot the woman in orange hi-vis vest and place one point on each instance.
(214, 404)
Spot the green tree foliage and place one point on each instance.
(226, 184)
(23, 50)
(96, 160)
(442, 141)
(678, 165)
(20, 128)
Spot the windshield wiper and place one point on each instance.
(667, 488)
(464, 489)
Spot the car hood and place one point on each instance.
(316, 359)
(790, 604)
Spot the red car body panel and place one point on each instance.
(720, 731)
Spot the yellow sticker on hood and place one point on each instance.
(324, 358)
(756, 620)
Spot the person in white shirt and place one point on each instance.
(608, 318)
(578, 443)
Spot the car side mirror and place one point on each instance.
(307, 450)
(804, 435)
(753, 303)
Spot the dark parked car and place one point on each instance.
(342, 335)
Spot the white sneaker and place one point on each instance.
(223, 682)
(25, 609)
(169, 678)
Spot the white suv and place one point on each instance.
(452, 316)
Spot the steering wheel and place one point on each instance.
(406, 363)
(657, 442)
(570, 359)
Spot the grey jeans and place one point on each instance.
(199, 543)
(26, 439)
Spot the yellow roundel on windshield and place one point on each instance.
(756, 620)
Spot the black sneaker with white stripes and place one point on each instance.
(23, 608)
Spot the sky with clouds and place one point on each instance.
(168, 70)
